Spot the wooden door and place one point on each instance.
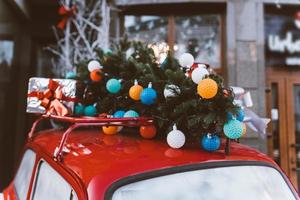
(283, 105)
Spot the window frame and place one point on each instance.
(186, 168)
(181, 9)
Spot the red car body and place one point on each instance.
(96, 164)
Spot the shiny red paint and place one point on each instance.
(96, 160)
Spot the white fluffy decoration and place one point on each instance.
(198, 74)
(186, 60)
(176, 138)
(169, 90)
(93, 65)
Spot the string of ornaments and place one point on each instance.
(151, 99)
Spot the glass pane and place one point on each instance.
(234, 183)
(6, 58)
(149, 29)
(275, 123)
(22, 179)
(201, 36)
(50, 185)
(297, 124)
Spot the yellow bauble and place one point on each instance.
(110, 130)
(135, 92)
(244, 129)
(207, 88)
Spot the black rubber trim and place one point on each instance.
(185, 168)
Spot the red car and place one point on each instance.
(96, 166)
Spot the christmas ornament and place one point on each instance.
(175, 138)
(207, 88)
(148, 95)
(240, 115)
(135, 91)
(110, 130)
(233, 129)
(113, 86)
(148, 132)
(94, 65)
(210, 142)
(171, 91)
(95, 75)
(131, 113)
(186, 60)
(71, 75)
(244, 129)
(198, 74)
(119, 114)
(108, 52)
(90, 111)
(79, 109)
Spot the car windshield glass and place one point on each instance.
(234, 183)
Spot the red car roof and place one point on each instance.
(100, 160)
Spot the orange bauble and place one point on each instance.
(110, 130)
(96, 76)
(135, 92)
(207, 88)
(244, 129)
(148, 132)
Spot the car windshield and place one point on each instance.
(234, 183)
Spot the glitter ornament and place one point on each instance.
(175, 138)
(148, 95)
(148, 132)
(119, 114)
(110, 130)
(198, 74)
(79, 109)
(94, 65)
(244, 129)
(210, 142)
(95, 75)
(90, 111)
(171, 91)
(207, 88)
(135, 91)
(233, 129)
(113, 86)
(131, 113)
(186, 60)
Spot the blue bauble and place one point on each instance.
(233, 129)
(79, 109)
(148, 96)
(71, 75)
(113, 86)
(210, 143)
(241, 115)
(131, 113)
(119, 114)
(229, 116)
(90, 111)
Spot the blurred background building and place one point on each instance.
(254, 44)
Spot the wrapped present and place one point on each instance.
(51, 96)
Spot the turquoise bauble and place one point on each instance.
(131, 113)
(148, 96)
(233, 129)
(90, 111)
(113, 86)
(119, 114)
(71, 75)
(210, 142)
(79, 109)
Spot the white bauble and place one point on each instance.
(186, 60)
(169, 91)
(93, 65)
(198, 74)
(176, 139)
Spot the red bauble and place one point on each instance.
(148, 132)
(96, 75)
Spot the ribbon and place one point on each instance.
(253, 121)
(66, 14)
(51, 99)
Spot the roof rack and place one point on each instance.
(76, 122)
